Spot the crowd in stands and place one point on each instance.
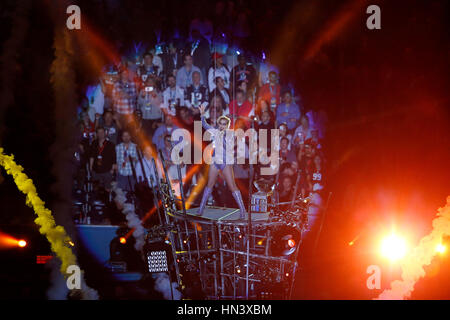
(133, 110)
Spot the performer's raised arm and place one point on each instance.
(205, 125)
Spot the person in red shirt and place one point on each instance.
(241, 111)
(271, 91)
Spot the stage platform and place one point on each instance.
(222, 215)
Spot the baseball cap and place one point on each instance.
(217, 55)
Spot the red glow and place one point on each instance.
(43, 259)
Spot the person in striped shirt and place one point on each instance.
(124, 95)
(126, 156)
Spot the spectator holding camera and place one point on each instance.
(303, 132)
(149, 103)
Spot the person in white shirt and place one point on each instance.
(157, 61)
(218, 69)
(145, 170)
(173, 96)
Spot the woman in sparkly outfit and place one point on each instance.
(223, 123)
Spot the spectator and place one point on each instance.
(265, 68)
(148, 68)
(185, 73)
(221, 91)
(261, 106)
(185, 118)
(149, 102)
(271, 91)
(173, 97)
(305, 156)
(288, 112)
(286, 155)
(107, 82)
(284, 133)
(172, 60)
(126, 158)
(315, 140)
(303, 132)
(315, 173)
(286, 188)
(216, 109)
(102, 162)
(196, 95)
(266, 123)
(111, 125)
(241, 108)
(145, 169)
(157, 61)
(138, 126)
(162, 131)
(124, 94)
(87, 127)
(243, 72)
(85, 137)
(218, 69)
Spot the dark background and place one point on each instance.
(385, 93)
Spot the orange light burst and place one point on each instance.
(7, 241)
(22, 243)
(123, 240)
(422, 255)
(440, 248)
(393, 247)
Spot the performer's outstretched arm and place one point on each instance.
(205, 124)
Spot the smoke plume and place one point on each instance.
(58, 289)
(162, 284)
(55, 234)
(413, 264)
(133, 220)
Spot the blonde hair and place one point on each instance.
(225, 118)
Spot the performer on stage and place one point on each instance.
(223, 123)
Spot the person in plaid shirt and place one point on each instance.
(124, 151)
(124, 94)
